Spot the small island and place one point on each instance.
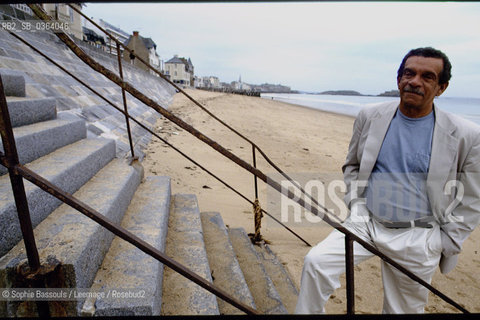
(391, 93)
(342, 93)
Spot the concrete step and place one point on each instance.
(24, 111)
(279, 275)
(13, 83)
(185, 245)
(126, 268)
(266, 297)
(78, 242)
(36, 140)
(226, 271)
(69, 168)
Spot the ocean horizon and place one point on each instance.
(468, 108)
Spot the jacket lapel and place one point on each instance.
(442, 156)
(376, 133)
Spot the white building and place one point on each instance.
(180, 71)
(118, 33)
(239, 85)
(109, 45)
(211, 82)
(199, 82)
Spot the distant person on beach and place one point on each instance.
(413, 190)
(132, 57)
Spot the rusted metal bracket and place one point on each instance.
(25, 272)
(48, 275)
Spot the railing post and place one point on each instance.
(20, 197)
(349, 274)
(255, 166)
(17, 182)
(127, 120)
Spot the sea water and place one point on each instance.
(468, 108)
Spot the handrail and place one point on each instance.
(149, 102)
(151, 132)
(98, 67)
(254, 145)
(49, 187)
(123, 233)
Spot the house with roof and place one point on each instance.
(180, 71)
(144, 48)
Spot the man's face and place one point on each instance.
(419, 85)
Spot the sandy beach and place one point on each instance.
(298, 140)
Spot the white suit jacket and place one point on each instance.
(453, 180)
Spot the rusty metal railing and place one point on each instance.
(256, 236)
(20, 170)
(10, 160)
(123, 111)
(326, 215)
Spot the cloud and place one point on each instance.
(308, 46)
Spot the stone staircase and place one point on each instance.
(55, 145)
(46, 81)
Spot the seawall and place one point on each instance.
(44, 79)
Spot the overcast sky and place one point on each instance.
(309, 46)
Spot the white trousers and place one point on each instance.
(417, 249)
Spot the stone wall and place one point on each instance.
(43, 79)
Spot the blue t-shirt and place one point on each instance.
(397, 186)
